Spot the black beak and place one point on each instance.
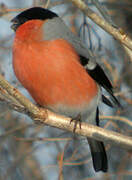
(14, 27)
(15, 24)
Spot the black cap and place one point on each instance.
(30, 14)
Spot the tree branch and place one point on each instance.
(116, 33)
(44, 116)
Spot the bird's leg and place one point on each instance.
(77, 120)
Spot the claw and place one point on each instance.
(77, 120)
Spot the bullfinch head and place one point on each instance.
(32, 14)
(59, 72)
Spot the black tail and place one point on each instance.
(98, 153)
(99, 156)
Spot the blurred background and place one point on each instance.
(29, 151)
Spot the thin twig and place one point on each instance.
(116, 33)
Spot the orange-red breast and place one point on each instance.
(59, 72)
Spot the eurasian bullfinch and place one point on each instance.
(59, 72)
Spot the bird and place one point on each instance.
(60, 72)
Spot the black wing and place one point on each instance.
(99, 76)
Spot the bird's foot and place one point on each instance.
(76, 120)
